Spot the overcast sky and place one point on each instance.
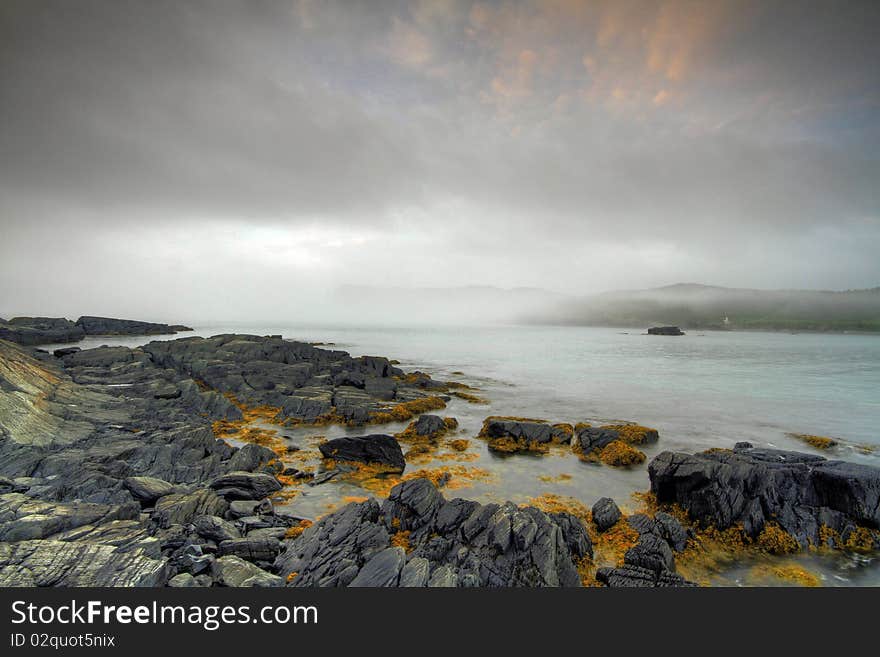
(191, 160)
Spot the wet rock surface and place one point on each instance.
(449, 543)
(512, 435)
(804, 494)
(377, 448)
(111, 475)
(110, 453)
(651, 561)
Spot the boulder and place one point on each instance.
(235, 571)
(215, 529)
(183, 508)
(605, 513)
(377, 448)
(241, 485)
(251, 548)
(148, 489)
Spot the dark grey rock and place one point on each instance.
(110, 326)
(415, 573)
(40, 330)
(251, 549)
(538, 432)
(234, 571)
(629, 576)
(464, 543)
(665, 330)
(605, 513)
(671, 530)
(382, 570)
(147, 489)
(651, 553)
(429, 425)
(241, 485)
(59, 563)
(183, 508)
(750, 485)
(375, 448)
(215, 528)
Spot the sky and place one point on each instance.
(186, 160)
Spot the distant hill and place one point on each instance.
(696, 306)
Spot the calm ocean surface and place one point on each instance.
(705, 389)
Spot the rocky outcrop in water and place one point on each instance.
(110, 326)
(418, 538)
(47, 330)
(804, 494)
(511, 435)
(307, 383)
(665, 330)
(40, 330)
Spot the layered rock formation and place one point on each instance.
(814, 500)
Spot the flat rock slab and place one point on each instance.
(57, 563)
(241, 485)
(375, 448)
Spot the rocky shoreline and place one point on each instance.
(48, 330)
(115, 470)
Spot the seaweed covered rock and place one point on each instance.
(380, 449)
(805, 494)
(605, 513)
(511, 435)
(418, 538)
(593, 439)
(630, 576)
(650, 562)
(429, 427)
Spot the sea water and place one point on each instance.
(701, 390)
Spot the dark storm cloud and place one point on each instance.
(438, 142)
